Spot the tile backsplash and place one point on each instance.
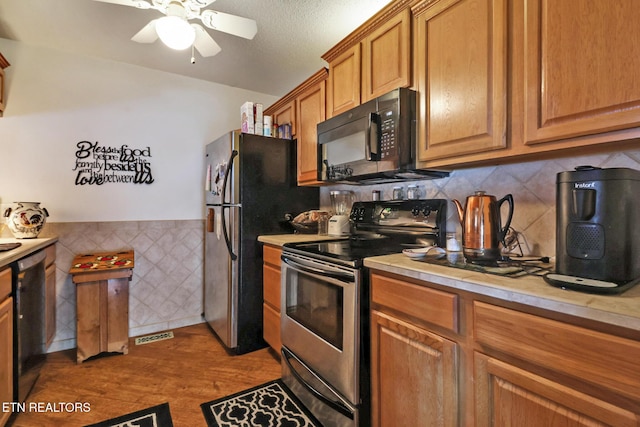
(166, 288)
(532, 184)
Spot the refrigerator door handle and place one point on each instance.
(226, 235)
(233, 256)
(227, 172)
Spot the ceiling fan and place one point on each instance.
(177, 32)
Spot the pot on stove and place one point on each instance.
(482, 229)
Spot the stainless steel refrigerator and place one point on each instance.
(250, 186)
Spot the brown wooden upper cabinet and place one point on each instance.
(386, 57)
(461, 75)
(304, 107)
(371, 61)
(344, 81)
(311, 110)
(496, 79)
(3, 64)
(501, 79)
(285, 113)
(581, 60)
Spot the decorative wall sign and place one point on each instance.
(97, 165)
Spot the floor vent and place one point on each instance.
(155, 337)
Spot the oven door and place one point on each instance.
(321, 319)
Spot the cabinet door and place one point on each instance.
(386, 57)
(344, 82)
(271, 295)
(286, 114)
(413, 375)
(89, 315)
(271, 327)
(461, 72)
(117, 301)
(581, 61)
(310, 111)
(583, 354)
(6, 356)
(509, 396)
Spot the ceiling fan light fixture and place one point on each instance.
(175, 32)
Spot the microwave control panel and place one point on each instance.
(388, 135)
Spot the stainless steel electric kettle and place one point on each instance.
(482, 229)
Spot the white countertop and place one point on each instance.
(27, 247)
(620, 310)
(281, 239)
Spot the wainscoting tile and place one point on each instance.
(166, 287)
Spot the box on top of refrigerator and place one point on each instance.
(246, 115)
(257, 107)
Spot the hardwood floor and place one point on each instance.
(190, 369)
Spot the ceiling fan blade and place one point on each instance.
(204, 43)
(202, 3)
(140, 4)
(236, 25)
(147, 34)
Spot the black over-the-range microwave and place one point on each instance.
(372, 143)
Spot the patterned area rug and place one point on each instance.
(157, 416)
(267, 405)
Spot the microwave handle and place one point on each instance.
(373, 138)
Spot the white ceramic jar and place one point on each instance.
(26, 219)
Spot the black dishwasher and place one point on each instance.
(29, 352)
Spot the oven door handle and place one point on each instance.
(345, 277)
(335, 405)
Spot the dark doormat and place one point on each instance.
(267, 405)
(157, 416)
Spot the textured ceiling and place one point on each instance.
(292, 35)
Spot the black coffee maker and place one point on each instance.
(597, 230)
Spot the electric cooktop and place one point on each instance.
(351, 250)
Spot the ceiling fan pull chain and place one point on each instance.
(193, 55)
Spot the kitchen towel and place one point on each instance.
(267, 405)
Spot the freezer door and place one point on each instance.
(221, 164)
(221, 272)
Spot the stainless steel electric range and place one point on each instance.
(325, 305)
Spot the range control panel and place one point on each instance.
(428, 215)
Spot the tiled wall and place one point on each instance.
(532, 184)
(166, 288)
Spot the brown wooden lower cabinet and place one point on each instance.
(510, 396)
(6, 343)
(6, 356)
(271, 298)
(501, 364)
(410, 366)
